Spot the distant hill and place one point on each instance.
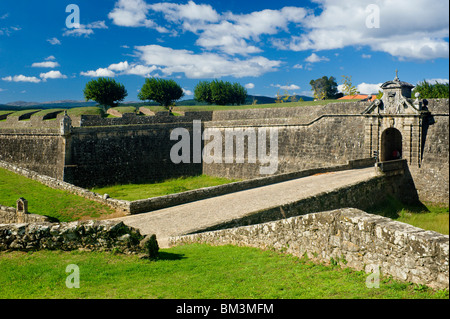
(68, 104)
(249, 100)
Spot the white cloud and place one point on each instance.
(227, 32)
(249, 86)
(433, 81)
(99, 73)
(8, 30)
(367, 88)
(235, 33)
(50, 58)
(85, 30)
(204, 65)
(190, 11)
(2, 90)
(188, 92)
(142, 70)
(401, 32)
(122, 66)
(46, 64)
(21, 78)
(52, 75)
(314, 58)
(54, 41)
(298, 66)
(366, 56)
(287, 87)
(78, 32)
(133, 13)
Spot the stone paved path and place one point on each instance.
(189, 217)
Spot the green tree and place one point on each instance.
(202, 92)
(325, 88)
(164, 92)
(220, 93)
(105, 91)
(432, 91)
(348, 87)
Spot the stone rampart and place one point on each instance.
(351, 238)
(99, 151)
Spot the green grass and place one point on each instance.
(90, 110)
(47, 111)
(256, 106)
(426, 216)
(20, 113)
(43, 200)
(199, 108)
(191, 272)
(125, 109)
(133, 192)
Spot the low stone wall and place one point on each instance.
(350, 237)
(9, 215)
(89, 235)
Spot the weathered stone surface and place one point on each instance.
(89, 235)
(352, 237)
(10, 215)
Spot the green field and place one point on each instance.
(43, 200)
(426, 216)
(133, 192)
(191, 272)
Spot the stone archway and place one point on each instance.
(391, 145)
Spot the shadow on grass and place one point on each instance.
(391, 208)
(162, 255)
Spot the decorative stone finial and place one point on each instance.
(396, 75)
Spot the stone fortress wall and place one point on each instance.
(97, 151)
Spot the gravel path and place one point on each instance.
(189, 217)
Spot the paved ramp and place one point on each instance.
(205, 213)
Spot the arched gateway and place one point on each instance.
(394, 124)
(391, 145)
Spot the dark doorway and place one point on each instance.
(391, 145)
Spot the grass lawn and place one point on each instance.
(133, 192)
(191, 272)
(43, 200)
(426, 216)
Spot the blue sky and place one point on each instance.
(268, 46)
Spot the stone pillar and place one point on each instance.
(21, 210)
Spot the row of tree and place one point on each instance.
(109, 93)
